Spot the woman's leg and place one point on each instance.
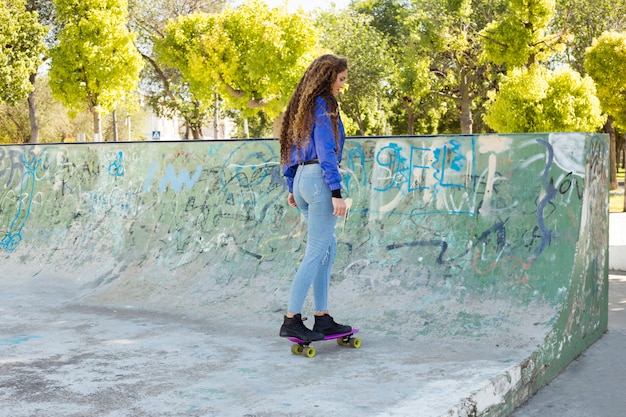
(314, 200)
(321, 283)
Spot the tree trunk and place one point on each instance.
(361, 127)
(410, 121)
(32, 112)
(216, 114)
(354, 114)
(278, 124)
(114, 117)
(196, 131)
(466, 105)
(610, 129)
(410, 115)
(97, 125)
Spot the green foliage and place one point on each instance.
(447, 34)
(189, 96)
(21, 49)
(167, 93)
(253, 55)
(421, 66)
(605, 61)
(95, 64)
(370, 64)
(587, 19)
(413, 82)
(441, 26)
(536, 99)
(197, 46)
(521, 37)
(14, 124)
(54, 122)
(387, 16)
(269, 51)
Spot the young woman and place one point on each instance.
(311, 142)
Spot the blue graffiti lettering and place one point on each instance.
(116, 168)
(178, 181)
(13, 237)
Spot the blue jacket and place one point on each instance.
(321, 146)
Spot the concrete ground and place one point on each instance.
(592, 385)
(61, 358)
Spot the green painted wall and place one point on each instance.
(494, 238)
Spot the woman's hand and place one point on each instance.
(291, 201)
(339, 206)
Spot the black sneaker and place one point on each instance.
(327, 326)
(295, 328)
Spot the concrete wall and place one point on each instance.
(501, 239)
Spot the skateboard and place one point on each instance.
(301, 347)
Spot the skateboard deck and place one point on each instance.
(301, 347)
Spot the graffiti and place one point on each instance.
(177, 181)
(547, 196)
(16, 340)
(448, 159)
(435, 175)
(10, 164)
(116, 168)
(487, 209)
(13, 237)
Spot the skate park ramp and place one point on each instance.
(150, 278)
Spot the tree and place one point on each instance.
(605, 61)
(21, 47)
(448, 33)
(410, 79)
(532, 98)
(269, 51)
(413, 81)
(588, 19)
(167, 92)
(54, 122)
(369, 66)
(177, 54)
(253, 55)
(44, 10)
(95, 63)
(536, 99)
(13, 123)
(521, 36)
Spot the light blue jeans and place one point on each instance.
(314, 200)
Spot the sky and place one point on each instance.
(308, 5)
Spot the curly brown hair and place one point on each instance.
(317, 81)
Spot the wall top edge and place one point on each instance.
(205, 141)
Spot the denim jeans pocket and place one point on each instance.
(311, 187)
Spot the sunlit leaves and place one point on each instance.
(536, 99)
(95, 63)
(21, 49)
(369, 66)
(605, 61)
(521, 36)
(253, 55)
